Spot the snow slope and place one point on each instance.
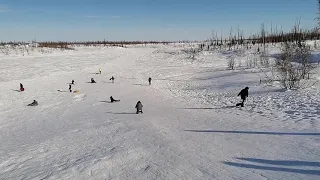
(190, 128)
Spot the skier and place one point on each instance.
(92, 80)
(34, 103)
(243, 94)
(112, 78)
(149, 81)
(70, 88)
(139, 107)
(113, 100)
(21, 87)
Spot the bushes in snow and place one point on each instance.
(293, 68)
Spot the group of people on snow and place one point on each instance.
(243, 94)
(138, 105)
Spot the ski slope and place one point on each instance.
(190, 128)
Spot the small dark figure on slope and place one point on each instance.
(113, 100)
(243, 94)
(34, 103)
(21, 87)
(112, 78)
(149, 80)
(139, 107)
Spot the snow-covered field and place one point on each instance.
(190, 128)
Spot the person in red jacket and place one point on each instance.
(21, 87)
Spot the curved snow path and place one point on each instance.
(83, 136)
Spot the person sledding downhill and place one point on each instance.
(139, 107)
(21, 87)
(34, 103)
(113, 100)
(243, 94)
(100, 70)
(92, 80)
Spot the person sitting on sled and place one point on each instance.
(113, 100)
(34, 103)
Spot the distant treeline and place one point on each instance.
(263, 38)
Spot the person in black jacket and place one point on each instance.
(34, 103)
(243, 94)
(92, 80)
(112, 78)
(149, 81)
(139, 107)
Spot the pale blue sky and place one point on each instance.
(146, 19)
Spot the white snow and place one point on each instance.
(190, 128)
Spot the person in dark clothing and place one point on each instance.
(34, 103)
(113, 100)
(149, 80)
(112, 78)
(139, 107)
(92, 80)
(21, 87)
(243, 94)
(72, 82)
(70, 88)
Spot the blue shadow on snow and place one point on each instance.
(257, 132)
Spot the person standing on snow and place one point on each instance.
(72, 82)
(100, 70)
(21, 87)
(139, 107)
(70, 88)
(112, 78)
(243, 94)
(149, 81)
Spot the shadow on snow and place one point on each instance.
(277, 162)
(256, 132)
(281, 162)
(208, 108)
(121, 113)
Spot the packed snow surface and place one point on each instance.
(190, 128)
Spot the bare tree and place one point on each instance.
(294, 65)
(231, 62)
